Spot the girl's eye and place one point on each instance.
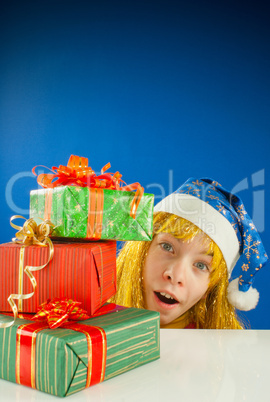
(202, 266)
(166, 246)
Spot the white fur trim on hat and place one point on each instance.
(208, 219)
(242, 300)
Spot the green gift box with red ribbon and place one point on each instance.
(82, 212)
(66, 360)
(81, 204)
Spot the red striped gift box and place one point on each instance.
(85, 272)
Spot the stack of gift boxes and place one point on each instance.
(59, 274)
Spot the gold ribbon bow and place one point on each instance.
(29, 234)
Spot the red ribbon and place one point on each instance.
(55, 313)
(26, 352)
(78, 173)
(59, 310)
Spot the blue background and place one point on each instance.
(163, 90)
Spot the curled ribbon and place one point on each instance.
(30, 234)
(59, 310)
(77, 172)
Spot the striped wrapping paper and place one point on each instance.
(93, 213)
(62, 363)
(85, 272)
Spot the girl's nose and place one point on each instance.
(175, 273)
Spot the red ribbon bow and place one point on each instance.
(59, 310)
(78, 173)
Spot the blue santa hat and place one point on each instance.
(222, 216)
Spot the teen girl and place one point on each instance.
(199, 233)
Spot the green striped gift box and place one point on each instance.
(62, 362)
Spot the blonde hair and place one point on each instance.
(212, 311)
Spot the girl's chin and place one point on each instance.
(163, 323)
(166, 319)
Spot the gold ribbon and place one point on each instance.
(29, 234)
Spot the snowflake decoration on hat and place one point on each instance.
(245, 267)
(250, 246)
(241, 211)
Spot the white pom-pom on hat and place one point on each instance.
(242, 300)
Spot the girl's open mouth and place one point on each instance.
(165, 298)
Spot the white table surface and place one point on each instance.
(195, 365)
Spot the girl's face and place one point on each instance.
(176, 275)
